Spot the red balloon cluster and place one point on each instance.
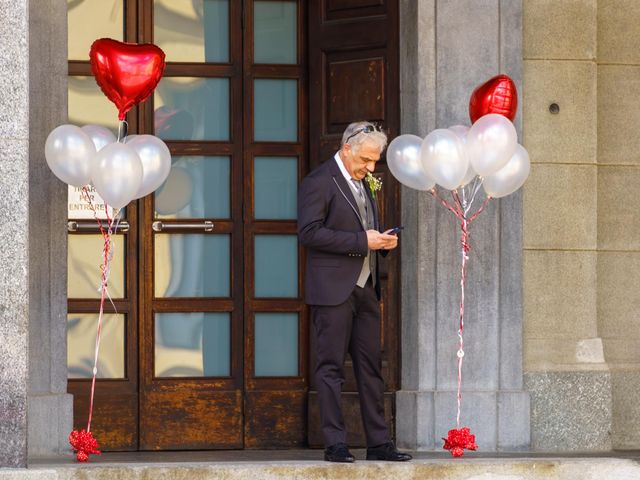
(127, 73)
(497, 95)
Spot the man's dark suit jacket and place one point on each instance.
(329, 226)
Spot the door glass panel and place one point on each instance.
(81, 341)
(276, 266)
(275, 184)
(197, 187)
(275, 32)
(79, 208)
(276, 345)
(92, 19)
(88, 105)
(275, 110)
(192, 30)
(84, 258)
(192, 108)
(192, 345)
(192, 265)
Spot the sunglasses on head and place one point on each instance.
(365, 129)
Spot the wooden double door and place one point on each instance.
(206, 342)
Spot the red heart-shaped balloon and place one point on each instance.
(127, 73)
(496, 95)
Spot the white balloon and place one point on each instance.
(100, 136)
(461, 131)
(443, 158)
(69, 153)
(117, 174)
(491, 142)
(156, 162)
(403, 159)
(176, 192)
(510, 177)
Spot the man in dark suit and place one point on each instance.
(338, 223)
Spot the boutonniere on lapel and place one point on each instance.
(374, 184)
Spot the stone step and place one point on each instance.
(593, 468)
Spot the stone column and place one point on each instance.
(33, 248)
(448, 48)
(14, 231)
(50, 407)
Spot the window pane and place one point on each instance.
(81, 341)
(192, 345)
(275, 110)
(192, 30)
(275, 32)
(197, 187)
(276, 345)
(83, 266)
(276, 266)
(192, 265)
(275, 183)
(89, 20)
(89, 106)
(192, 108)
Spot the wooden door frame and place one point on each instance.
(241, 151)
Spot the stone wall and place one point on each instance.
(581, 245)
(618, 267)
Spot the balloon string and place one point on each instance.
(107, 255)
(446, 204)
(460, 209)
(464, 243)
(480, 210)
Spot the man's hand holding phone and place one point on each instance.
(381, 241)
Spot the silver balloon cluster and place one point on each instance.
(453, 157)
(120, 171)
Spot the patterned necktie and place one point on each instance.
(363, 201)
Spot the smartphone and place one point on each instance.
(394, 230)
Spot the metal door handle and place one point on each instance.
(75, 226)
(206, 226)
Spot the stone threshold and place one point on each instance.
(270, 465)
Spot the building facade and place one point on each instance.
(253, 88)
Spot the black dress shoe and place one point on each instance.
(338, 453)
(388, 452)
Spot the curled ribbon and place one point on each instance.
(460, 208)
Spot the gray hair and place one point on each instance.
(375, 136)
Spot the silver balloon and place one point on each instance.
(156, 162)
(443, 158)
(100, 136)
(117, 174)
(403, 159)
(491, 142)
(510, 177)
(461, 131)
(69, 153)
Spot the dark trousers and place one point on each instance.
(353, 327)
